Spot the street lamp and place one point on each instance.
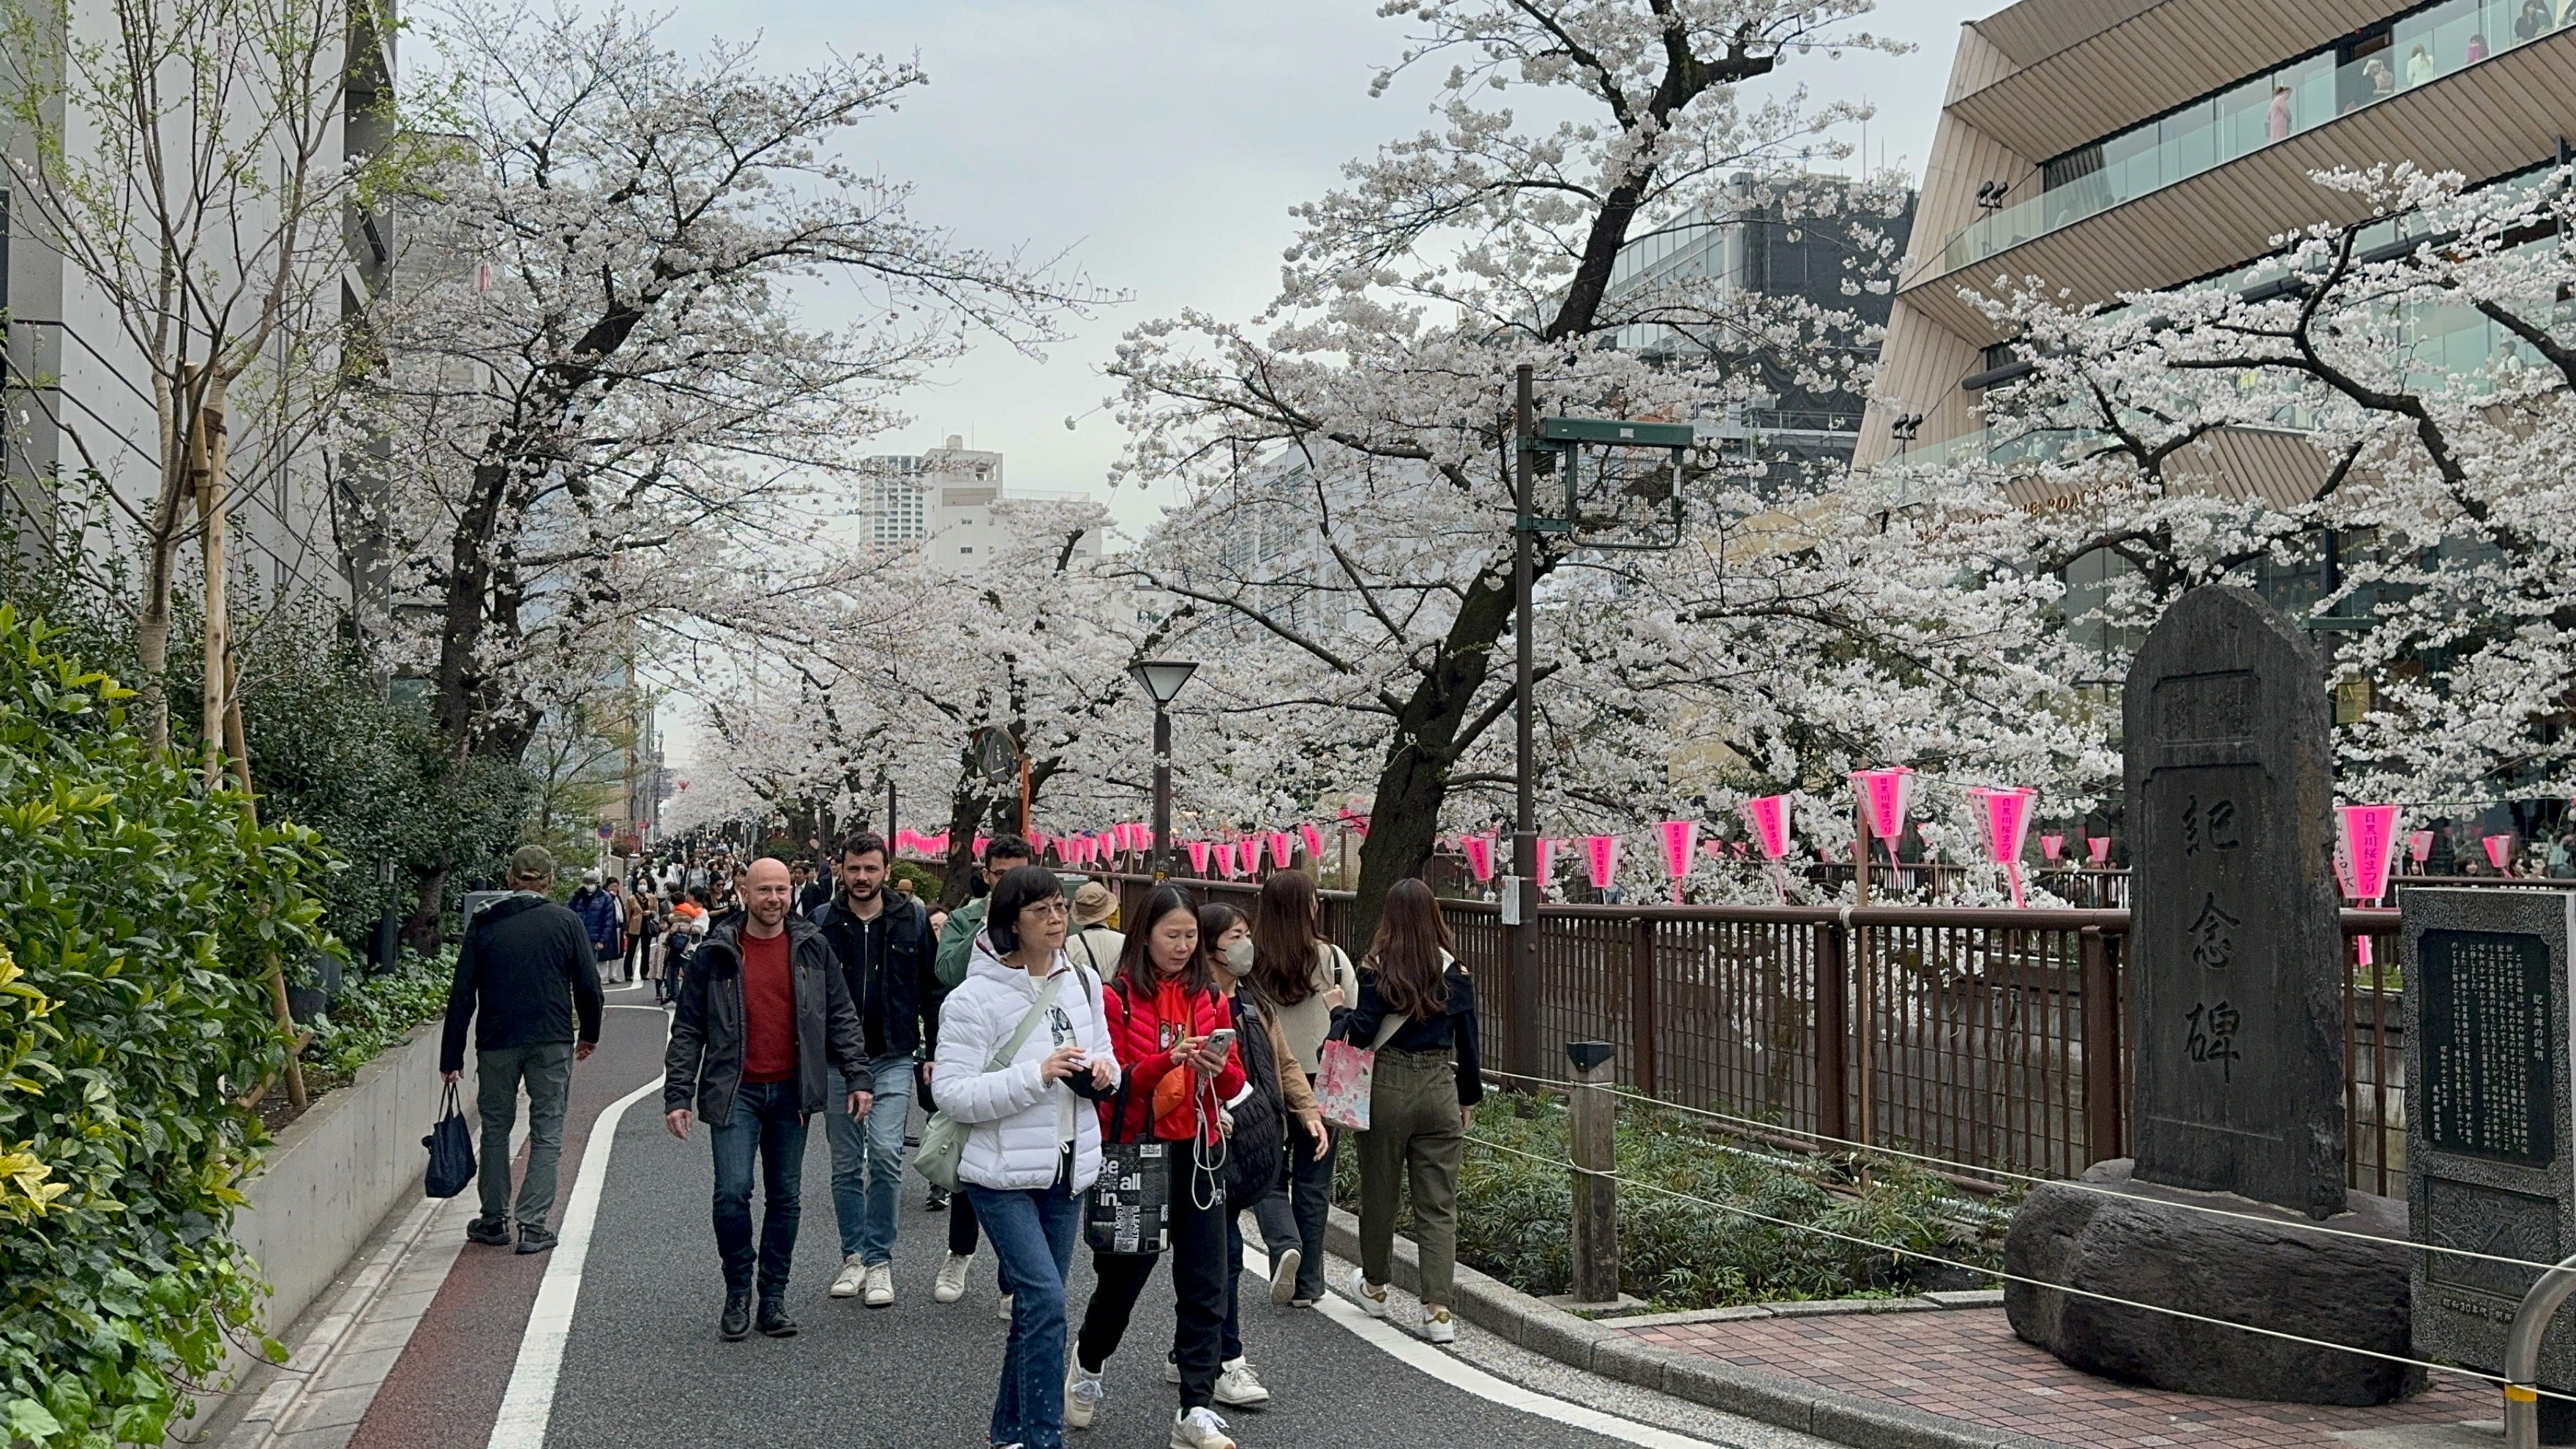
(1162, 679)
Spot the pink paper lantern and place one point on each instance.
(1681, 840)
(2419, 845)
(2053, 847)
(1480, 856)
(1199, 858)
(1716, 849)
(1283, 851)
(1769, 817)
(2368, 835)
(1601, 858)
(1547, 861)
(1883, 795)
(1313, 835)
(2006, 815)
(2499, 849)
(2097, 848)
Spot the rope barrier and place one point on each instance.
(2076, 1185)
(2497, 1379)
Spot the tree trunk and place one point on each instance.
(469, 577)
(208, 453)
(968, 806)
(1404, 818)
(152, 630)
(422, 929)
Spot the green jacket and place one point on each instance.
(957, 941)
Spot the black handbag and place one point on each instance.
(1129, 1212)
(451, 1150)
(1257, 1154)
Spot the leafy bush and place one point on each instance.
(1516, 1214)
(372, 1013)
(139, 912)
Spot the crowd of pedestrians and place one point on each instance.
(1183, 1051)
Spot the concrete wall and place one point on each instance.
(337, 1171)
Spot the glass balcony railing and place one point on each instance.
(2416, 48)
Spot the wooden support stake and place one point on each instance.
(1596, 1158)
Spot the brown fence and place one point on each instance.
(1992, 1039)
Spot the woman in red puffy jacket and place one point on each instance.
(1164, 1015)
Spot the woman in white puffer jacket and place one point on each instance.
(1033, 1144)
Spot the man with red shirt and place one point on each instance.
(765, 1015)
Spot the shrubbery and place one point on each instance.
(140, 912)
(1515, 1215)
(372, 1013)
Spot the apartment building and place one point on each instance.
(77, 392)
(1752, 245)
(2110, 146)
(952, 503)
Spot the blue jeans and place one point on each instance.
(766, 1121)
(867, 1161)
(1033, 1234)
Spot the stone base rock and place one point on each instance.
(2138, 1242)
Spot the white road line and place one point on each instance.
(1450, 1369)
(529, 1403)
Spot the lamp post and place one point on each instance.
(1162, 679)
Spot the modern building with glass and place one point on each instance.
(2110, 146)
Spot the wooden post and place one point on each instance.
(1860, 848)
(2101, 1029)
(1641, 1006)
(1596, 1159)
(1833, 1034)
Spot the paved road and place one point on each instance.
(644, 1366)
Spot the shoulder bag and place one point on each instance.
(451, 1150)
(943, 1138)
(1130, 1210)
(1349, 1074)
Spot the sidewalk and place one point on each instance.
(1965, 1364)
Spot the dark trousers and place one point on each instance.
(961, 1224)
(1198, 1288)
(1230, 1343)
(766, 1124)
(639, 958)
(1296, 1219)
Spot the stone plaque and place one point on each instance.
(2236, 954)
(2487, 1114)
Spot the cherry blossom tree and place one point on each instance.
(603, 401)
(2412, 380)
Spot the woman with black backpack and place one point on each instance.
(1258, 1132)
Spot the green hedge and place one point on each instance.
(1516, 1214)
(139, 912)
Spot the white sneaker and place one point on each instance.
(1438, 1326)
(1082, 1396)
(1370, 1296)
(1171, 1371)
(854, 1276)
(1200, 1429)
(950, 1285)
(1283, 1274)
(1006, 1308)
(1238, 1387)
(880, 1291)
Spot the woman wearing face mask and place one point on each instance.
(1302, 979)
(1259, 1132)
(1164, 1018)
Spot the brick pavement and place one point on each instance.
(1966, 1364)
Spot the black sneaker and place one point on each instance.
(737, 1317)
(490, 1235)
(774, 1320)
(535, 1240)
(938, 1201)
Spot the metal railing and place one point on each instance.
(1992, 1038)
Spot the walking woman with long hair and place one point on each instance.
(1303, 979)
(1020, 1039)
(1165, 1017)
(1417, 1006)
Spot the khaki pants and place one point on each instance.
(1413, 1132)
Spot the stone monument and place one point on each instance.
(2490, 1147)
(2235, 970)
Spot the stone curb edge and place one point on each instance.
(1578, 1342)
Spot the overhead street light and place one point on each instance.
(1161, 680)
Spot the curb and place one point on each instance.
(1545, 1329)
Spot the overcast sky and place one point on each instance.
(1163, 142)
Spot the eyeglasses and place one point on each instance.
(1055, 908)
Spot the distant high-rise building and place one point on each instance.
(897, 510)
(944, 501)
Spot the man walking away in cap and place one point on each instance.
(527, 980)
